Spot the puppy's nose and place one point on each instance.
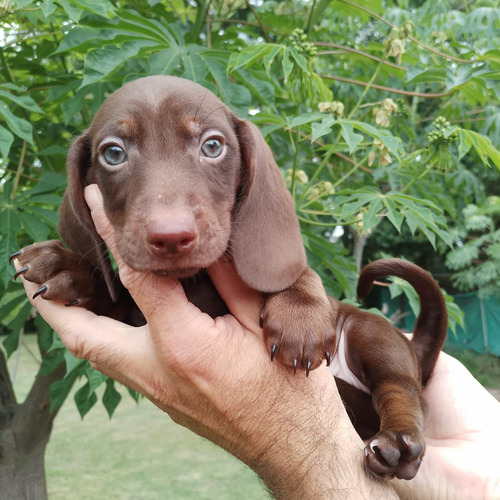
(174, 237)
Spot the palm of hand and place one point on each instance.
(462, 438)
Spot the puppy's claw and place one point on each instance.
(295, 366)
(373, 444)
(308, 368)
(14, 255)
(73, 303)
(274, 348)
(21, 271)
(328, 357)
(40, 291)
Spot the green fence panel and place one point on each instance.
(482, 321)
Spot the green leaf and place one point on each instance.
(250, 54)
(6, 140)
(287, 64)
(136, 396)
(24, 101)
(455, 315)
(490, 55)
(99, 63)
(481, 144)
(11, 342)
(83, 37)
(130, 22)
(165, 61)
(9, 226)
(50, 217)
(261, 89)
(479, 222)
(372, 217)
(351, 138)
(357, 200)
(94, 378)
(19, 126)
(412, 201)
(13, 309)
(427, 75)
(305, 118)
(84, 400)
(73, 365)
(236, 96)
(51, 361)
(268, 59)
(48, 7)
(59, 391)
(102, 8)
(392, 143)
(111, 397)
(195, 68)
(75, 104)
(72, 10)
(37, 230)
(393, 214)
(401, 286)
(323, 128)
(332, 261)
(56, 343)
(49, 182)
(300, 60)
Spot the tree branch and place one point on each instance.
(33, 417)
(7, 394)
(355, 51)
(386, 89)
(261, 24)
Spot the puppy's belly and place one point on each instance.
(340, 368)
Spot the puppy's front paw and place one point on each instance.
(392, 454)
(299, 324)
(62, 274)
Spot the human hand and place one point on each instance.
(215, 378)
(462, 437)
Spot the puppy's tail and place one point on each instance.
(432, 322)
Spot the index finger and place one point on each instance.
(80, 330)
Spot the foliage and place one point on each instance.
(377, 112)
(476, 258)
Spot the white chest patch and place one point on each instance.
(340, 368)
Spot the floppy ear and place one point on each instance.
(265, 242)
(75, 222)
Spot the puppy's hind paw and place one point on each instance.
(394, 455)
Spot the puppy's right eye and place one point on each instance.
(114, 155)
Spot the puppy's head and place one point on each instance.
(184, 181)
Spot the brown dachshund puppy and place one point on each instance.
(185, 183)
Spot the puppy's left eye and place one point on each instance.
(114, 155)
(212, 148)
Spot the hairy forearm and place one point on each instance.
(307, 452)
